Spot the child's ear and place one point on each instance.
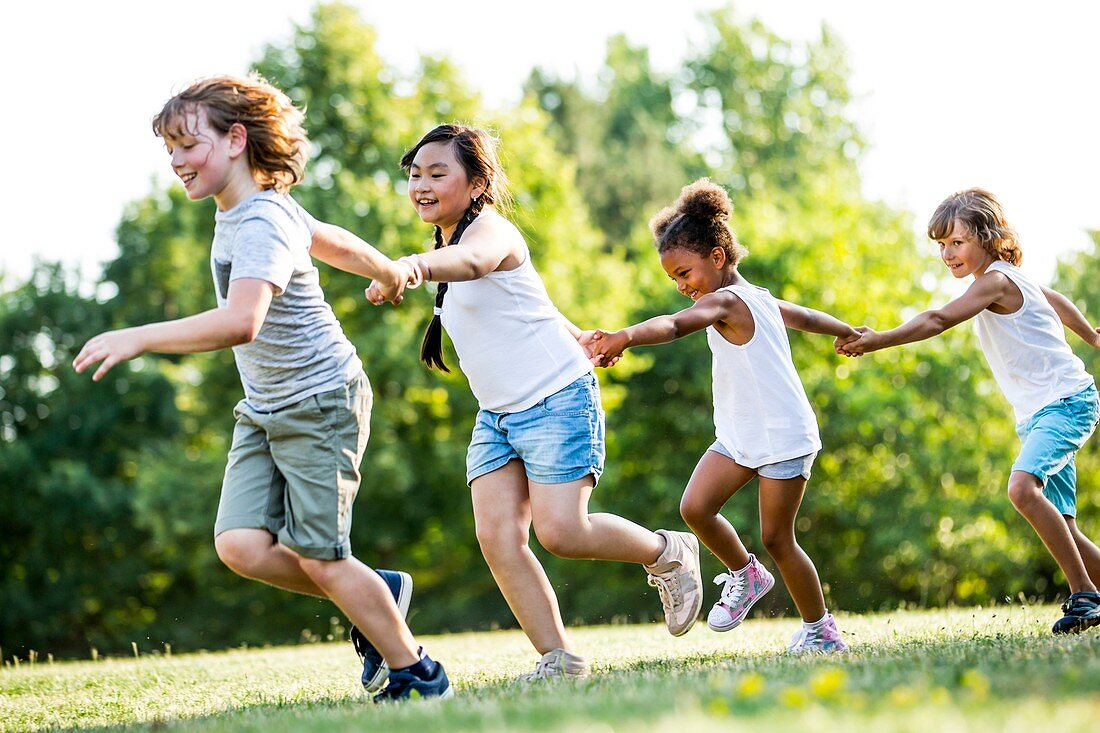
(480, 186)
(718, 257)
(238, 139)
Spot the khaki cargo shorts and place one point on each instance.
(295, 472)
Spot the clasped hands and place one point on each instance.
(406, 272)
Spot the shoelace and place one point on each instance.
(735, 587)
(359, 643)
(668, 588)
(804, 638)
(1080, 604)
(544, 669)
(399, 683)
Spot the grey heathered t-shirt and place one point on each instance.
(301, 349)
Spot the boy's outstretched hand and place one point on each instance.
(110, 348)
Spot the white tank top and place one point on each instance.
(512, 343)
(1027, 350)
(761, 412)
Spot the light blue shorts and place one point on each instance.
(1051, 438)
(780, 471)
(560, 439)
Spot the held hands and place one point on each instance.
(110, 348)
(404, 273)
(863, 341)
(608, 347)
(587, 340)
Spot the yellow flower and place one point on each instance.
(829, 683)
(976, 683)
(794, 697)
(750, 685)
(903, 696)
(717, 706)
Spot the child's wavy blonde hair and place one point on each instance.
(277, 144)
(981, 213)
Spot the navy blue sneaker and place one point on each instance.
(374, 666)
(1082, 611)
(405, 685)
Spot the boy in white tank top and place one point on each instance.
(1020, 329)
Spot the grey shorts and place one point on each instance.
(295, 472)
(780, 471)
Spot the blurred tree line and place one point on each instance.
(108, 491)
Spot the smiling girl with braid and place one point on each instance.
(537, 448)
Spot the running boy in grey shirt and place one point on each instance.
(293, 469)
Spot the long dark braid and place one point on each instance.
(476, 152)
(431, 349)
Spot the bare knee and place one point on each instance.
(1024, 491)
(498, 542)
(696, 512)
(241, 551)
(320, 572)
(559, 538)
(778, 541)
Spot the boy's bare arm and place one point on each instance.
(339, 248)
(1072, 317)
(237, 323)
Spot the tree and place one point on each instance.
(77, 572)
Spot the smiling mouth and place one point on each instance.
(187, 177)
(425, 202)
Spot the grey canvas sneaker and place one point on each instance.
(557, 663)
(675, 575)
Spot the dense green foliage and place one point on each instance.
(109, 489)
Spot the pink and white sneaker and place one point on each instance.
(741, 589)
(820, 637)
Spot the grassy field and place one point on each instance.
(992, 669)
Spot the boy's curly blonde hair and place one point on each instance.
(981, 213)
(277, 144)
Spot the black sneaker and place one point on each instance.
(1082, 611)
(374, 667)
(405, 685)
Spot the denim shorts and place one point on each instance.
(1051, 438)
(780, 471)
(560, 439)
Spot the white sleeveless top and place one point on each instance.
(1027, 350)
(761, 412)
(512, 343)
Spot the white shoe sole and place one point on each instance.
(737, 622)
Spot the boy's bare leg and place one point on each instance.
(1090, 553)
(367, 601)
(1026, 493)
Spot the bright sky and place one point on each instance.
(951, 94)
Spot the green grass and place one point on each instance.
(944, 670)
